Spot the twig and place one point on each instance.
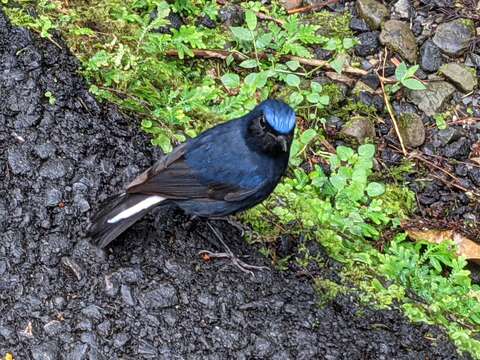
(312, 7)
(464, 121)
(389, 106)
(263, 16)
(223, 54)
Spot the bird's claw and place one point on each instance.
(243, 266)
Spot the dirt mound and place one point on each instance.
(150, 296)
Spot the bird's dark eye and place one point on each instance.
(263, 123)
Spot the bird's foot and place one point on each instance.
(243, 266)
(236, 224)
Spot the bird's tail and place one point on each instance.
(120, 212)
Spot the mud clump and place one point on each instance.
(150, 295)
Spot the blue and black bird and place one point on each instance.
(226, 169)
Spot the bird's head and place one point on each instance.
(272, 125)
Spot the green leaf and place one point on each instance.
(313, 98)
(401, 71)
(413, 84)
(338, 181)
(324, 100)
(241, 33)
(366, 150)
(264, 40)
(344, 152)
(248, 64)
(348, 43)
(375, 189)
(251, 78)
(337, 63)
(293, 65)
(331, 44)
(292, 80)
(315, 86)
(230, 80)
(411, 71)
(295, 98)
(308, 136)
(251, 20)
(163, 141)
(147, 123)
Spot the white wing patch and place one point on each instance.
(142, 205)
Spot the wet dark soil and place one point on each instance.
(150, 295)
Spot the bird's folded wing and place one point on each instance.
(171, 177)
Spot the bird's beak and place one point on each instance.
(283, 143)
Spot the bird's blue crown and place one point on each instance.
(279, 115)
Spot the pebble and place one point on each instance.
(402, 9)
(53, 169)
(432, 99)
(398, 36)
(53, 197)
(454, 37)
(458, 150)
(232, 15)
(358, 25)
(430, 57)
(163, 296)
(369, 43)
(460, 75)
(373, 12)
(44, 151)
(19, 163)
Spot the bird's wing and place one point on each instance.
(173, 177)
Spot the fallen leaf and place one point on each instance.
(466, 247)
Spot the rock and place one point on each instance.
(19, 162)
(458, 149)
(473, 60)
(359, 128)
(463, 77)
(432, 99)
(430, 57)
(371, 80)
(474, 175)
(454, 37)
(412, 129)
(44, 151)
(232, 15)
(205, 21)
(92, 312)
(358, 25)
(119, 340)
(47, 351)
(403, 9)
(291, 4)
(373, 12)
(53, 197)
(163, 296)
(175, 22)
(53, 169)
(397, 36)
(446, 136)
(369, 43)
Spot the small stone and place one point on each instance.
(291, 4)
(92, 312)
(53, 169)
(81, 203)
(403, 8)
(397, 36)
(474, 175)
(78, 352)
(412, 129)
(163, 296)
(454, 37)
(46, 351)
(19, 162)
(369, 43)
(232, 15)
(430, 57)
(44, 151)
(53, 328)
(473, 60)
(207, 22)
(119, 340)
(461, 170)
(175, 22)
(359, 128)
(463, 77)
(53, 197)
(358, 25)
(74, 267)
(373, 12)
(127, 295)
(458, 150)
(446, 136)
(432, 99)
(371, 80)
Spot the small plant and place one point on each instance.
(51, 98)
(405, 77)
(440, 121)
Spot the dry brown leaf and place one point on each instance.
(466, 247)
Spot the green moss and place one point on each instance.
(332, 24)
(328, 290)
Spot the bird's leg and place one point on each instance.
(246, 268)
(237, 225)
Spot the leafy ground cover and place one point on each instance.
(155, 60)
